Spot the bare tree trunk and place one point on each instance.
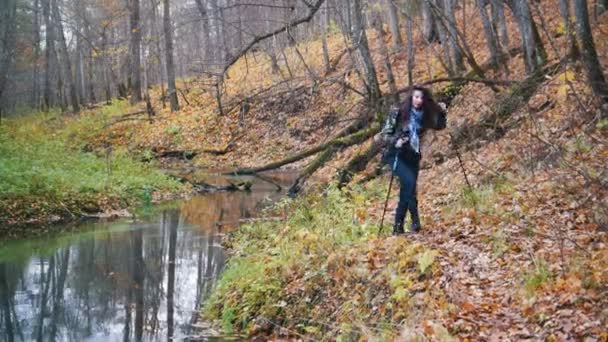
(134, 47)
(429, 29)
(8, 14)
(377, 23)
(527, 28)
(35, 83)
(498, 17)
(158, 51)
(409, 33)
(602, 6)
(359, 39)
(66, 57)
(564, 10)
(325, 22)
(169, 56)
(393, 21)
(454, 48)
(489, 32)
(443, 37)
(106, 67)
(217, 50)
(588, 51)
(48, 54)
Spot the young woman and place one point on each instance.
(403, 133)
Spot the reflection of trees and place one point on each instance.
(138, 282)
(58, 289)
(6, 306)
(118, 283)
(173, 223)
(235, 206)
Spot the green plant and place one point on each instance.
(426, 260)
(499, 243)
(538, 276)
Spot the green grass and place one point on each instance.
(42, 162)
(309, 272)
(539, 275)
(266, 253)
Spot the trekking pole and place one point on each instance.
(390, 185)
(464, 171)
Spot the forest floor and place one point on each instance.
(520, 254)
(517, 255)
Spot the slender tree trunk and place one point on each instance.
(325, 21)
(602, 6)
(158, 52)
(527, 28)
(489, 32)
(217, 43)
(393, 21)
(359, 39)
(429, 29)
(48, 54)
(409, 35)
(588, 51)
(498, 17)
(169, 56)
(564, 10)
(66, 56)
(7, 40)
(451, 27)
(35, 83)
(444, 36)
(135, 48)
(106, 67)
(390, 78)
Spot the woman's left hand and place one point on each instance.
(443, 106)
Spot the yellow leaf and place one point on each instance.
(567, 75)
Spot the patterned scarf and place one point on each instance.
(413, 126)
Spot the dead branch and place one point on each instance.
(349, 140)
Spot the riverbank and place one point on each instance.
(49, 173)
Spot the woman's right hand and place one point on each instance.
(400, 142)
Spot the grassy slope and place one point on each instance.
(46, 175)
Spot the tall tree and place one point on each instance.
(325, 24)
(453, 35)
(429, 30)
(48, 54)
(390, 78)
(588, 52)
(134, 48)
(66, 58)
(534, 54)
(8, 12)
(35, 83)
(498, 18)
(393, 22)
(359, 38)
(489, 33)
(169, 56)
(564, 10)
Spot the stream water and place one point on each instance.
(125, 280)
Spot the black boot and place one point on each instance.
(398, 226)
(413, 209)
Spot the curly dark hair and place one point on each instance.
(430, 108)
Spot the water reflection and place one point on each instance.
(128, 281)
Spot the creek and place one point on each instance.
(139, 279)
